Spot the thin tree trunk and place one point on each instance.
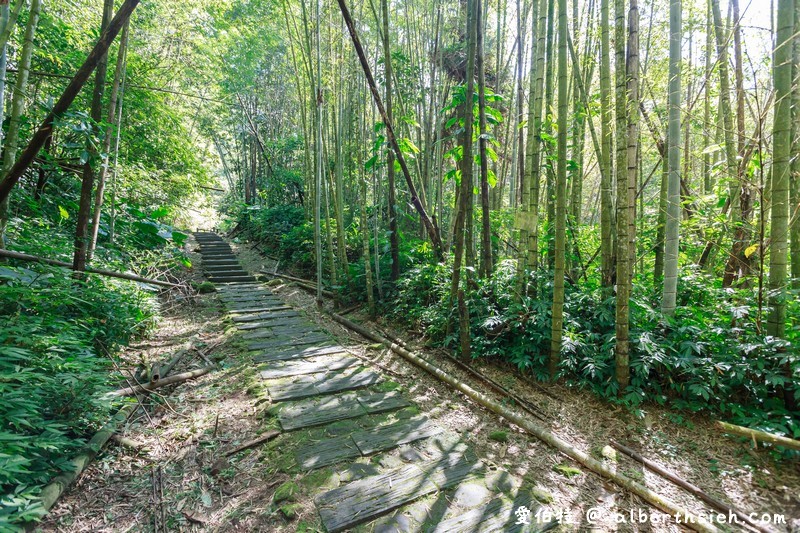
(670, 289)
(466, 163)
(112, 111)
(737, 266)
(795, 177)
(17, 107)
(548, 99)
(561, 195)
(632, 72)
(578, 136)
(782, 128)
(4, 24)
(727, 118)
(535, 131)
(606, 135)
(394, 237)
(82, 236)
(318, 170)
(486, 229)
(707, 182)
(622, 347)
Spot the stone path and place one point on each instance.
(396, 470)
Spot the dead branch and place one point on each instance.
(171, 380)
(266, 437)
(25, 257)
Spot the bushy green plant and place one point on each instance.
(710, 357)
(54, 368)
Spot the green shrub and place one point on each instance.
(54, 370)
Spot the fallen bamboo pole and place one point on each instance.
(529, 407)
(310, 284)
(689, 487)
(59, 484)
(761, 436)
(671, 508)
(170, 380)
(99, 271)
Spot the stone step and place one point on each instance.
(497, 515)
(368, 498)
(315, 365)
(295, 352)
(282, 340)
(219, 262)
(380, 439)
(258, 309)
(269, 315)
(231, 272)
(327, 409)
(230, 279)
(299, 387)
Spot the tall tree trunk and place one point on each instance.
(782, 153)
(394, 237)
(661, 223)
(561, 195)
(732, 165)
(549, 101)
(622, 347)
(341, 242)
(529, 209)
(737, 266)
(318, 163)
(17, 107)
(4, 24)
(466, 163)
(486, 228)
(578, 136)
(795, 178)
(670, 290)
(364, 222)
(707, 182)
(82, 236)
(112, 114)
(606, 133)
(632, 71)
(519, 177)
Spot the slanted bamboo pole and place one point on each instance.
(689, 487)
(58, 485)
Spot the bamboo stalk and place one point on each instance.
(171, 380)
(59, 484)
(671, 508)
(99, 271)
(693, 489)
(310, 284)
(761, 436)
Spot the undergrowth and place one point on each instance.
(58, 344)
(710, 357)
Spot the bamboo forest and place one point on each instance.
(400, 265)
